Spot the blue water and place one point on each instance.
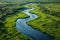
(27, 30)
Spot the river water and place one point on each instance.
(27, 30)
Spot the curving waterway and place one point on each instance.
(27, 30)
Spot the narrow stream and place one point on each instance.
(27, 30)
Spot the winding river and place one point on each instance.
(27, 30)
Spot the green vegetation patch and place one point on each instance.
(46, 23)
(9, 13)
(12, 33)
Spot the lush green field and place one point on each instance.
(9, 13)
(53, 9)
(10, 26)
(47, 22)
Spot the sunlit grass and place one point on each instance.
(52, 7)
(10, 24)
(10, 21)
(46, 23)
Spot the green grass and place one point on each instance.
(52, 9)
(46, 23)
(12, 32)
(10, 21)
(9, 13)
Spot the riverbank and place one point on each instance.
(27, 30)
(10, 23)
(9, 32)
(46, 23)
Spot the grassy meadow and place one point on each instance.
(9, 13)
(48, 20)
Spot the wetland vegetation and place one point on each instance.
(48, 20)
